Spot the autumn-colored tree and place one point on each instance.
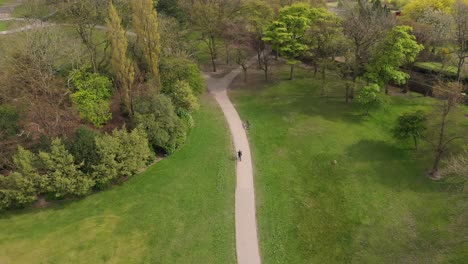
(146, 26)
(122, 66)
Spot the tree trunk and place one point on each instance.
(415, 139)
(259, 58)
(291, 73)
(387, 88)
(434, 174)
(461, 62)
(212, 48)
(347, 92)
(244, 69)
(226, 46)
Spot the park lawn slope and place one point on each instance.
(180, 210)
(374, 206)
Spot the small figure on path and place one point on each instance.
(246, 125)
(239, 155)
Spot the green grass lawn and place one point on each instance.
(374, 206)
(179, 211)
(3, 25)
(438, 67)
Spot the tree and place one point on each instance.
(86, 15)
(91, 96)
(397, 49)
(122, 66)
(31, 81)
(324, 36)
(369, 97)
(460, 17)
(416, 8)
(441, 138)
(62, 175)
(257, 15)
(410, 125)
(146, 25)
(365, 23)
(287, 34)
(209, 18)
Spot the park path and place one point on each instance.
(246, 223)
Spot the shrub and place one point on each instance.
(182, 97)
(164, 128)
(8, 121)
(181, 69)
(83, 148)
(20, 188)
(16, 191)
(121, 154)
(61, 175)
(91, 96)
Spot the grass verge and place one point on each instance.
(374, 206)
(179, 211)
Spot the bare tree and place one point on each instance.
(209, 17)
(441, 139)
(365, 24)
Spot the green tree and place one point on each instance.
(91, 96)
(146, 26)
(257, 15)
(63, 175)
(397, 49)
(324, 37)
(410, 125)
(369, 97)
(365, 24)
(122, 66)
(287, 34)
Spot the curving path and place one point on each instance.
(246, 223)
(247, 249)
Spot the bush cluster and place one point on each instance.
(91, 161)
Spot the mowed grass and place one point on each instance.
(180, 210)
(374, 206)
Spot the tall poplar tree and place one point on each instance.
(145, 24)
(122, 66)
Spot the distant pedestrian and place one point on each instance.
(239, 155)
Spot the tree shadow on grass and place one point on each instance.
(392, 166)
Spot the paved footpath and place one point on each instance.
(246, 223)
